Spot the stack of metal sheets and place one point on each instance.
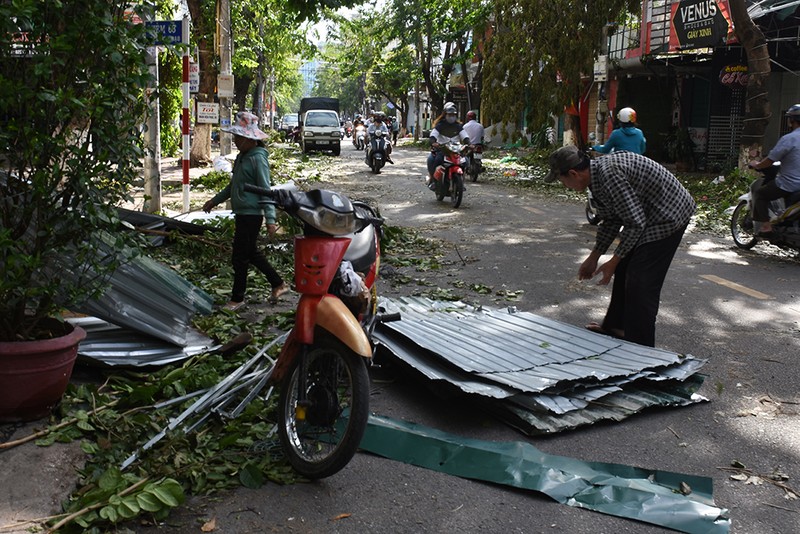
(539, 375)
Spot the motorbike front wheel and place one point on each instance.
(457, 193)
(321, 429)
(591, 215)
(742, 227)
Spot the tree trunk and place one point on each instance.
(757, 110)
(200, 154)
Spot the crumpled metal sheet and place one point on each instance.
(149, 297)
(113, 345)
(538, 374)
(650, 496)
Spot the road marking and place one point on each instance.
(736, 287)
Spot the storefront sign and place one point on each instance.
(734, 76)
(698, 24)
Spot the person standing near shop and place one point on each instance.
(250, 167)
(644, 205)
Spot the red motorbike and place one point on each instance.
(322, 368)
(449, 176)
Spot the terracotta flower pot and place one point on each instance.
(35, 374)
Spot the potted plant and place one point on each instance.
(72, 75)
(680, 149)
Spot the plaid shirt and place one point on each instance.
(639, 195)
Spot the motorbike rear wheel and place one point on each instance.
(321, 434)
(457, 193)
(473, 170)
(742, 227)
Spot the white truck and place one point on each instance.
(319, 125)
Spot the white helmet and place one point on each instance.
(449, 107)
(627, 115)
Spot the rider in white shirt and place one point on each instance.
(474, 129)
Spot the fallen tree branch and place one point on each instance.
(95, 506)
(62, 424)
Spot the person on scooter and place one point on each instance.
(250, 167)
(474, 131)
(445, 128)
(626, 137)
(474, 128)
(379, 124)
(648, 209)
(787, 151)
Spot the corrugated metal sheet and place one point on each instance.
(112, 345)
(541, 374)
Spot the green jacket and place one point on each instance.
(251, 167)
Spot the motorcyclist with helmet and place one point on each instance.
(475, 132)
(445, 128)
(626, 137)
(474, 128)
(787, 151)
(379, 124)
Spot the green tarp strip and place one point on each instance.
(651, 496)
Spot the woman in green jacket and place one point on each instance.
(250, 167)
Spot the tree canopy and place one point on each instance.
(540, 52)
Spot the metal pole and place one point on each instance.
(152, 156)
(185, 117)
(226, 68)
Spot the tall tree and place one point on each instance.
(203, 14)
(269, 27)
(538, 54)
(757, 109)
(442, 33)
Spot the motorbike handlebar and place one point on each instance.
(263, 191)
(388, 317)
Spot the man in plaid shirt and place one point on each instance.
(644, 205)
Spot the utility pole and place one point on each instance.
(226, 68)
(601, 76)
(271, 98)
(152, 154)
(416, 89)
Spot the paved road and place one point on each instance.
(737, 309)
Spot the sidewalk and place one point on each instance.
(172, 186)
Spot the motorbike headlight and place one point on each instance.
(328, 221)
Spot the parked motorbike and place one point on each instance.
(376, 152)
(785, 220)
(473, 161)
(449, 176)
(321, 369)
(360, 137)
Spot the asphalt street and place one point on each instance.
(737, 309)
